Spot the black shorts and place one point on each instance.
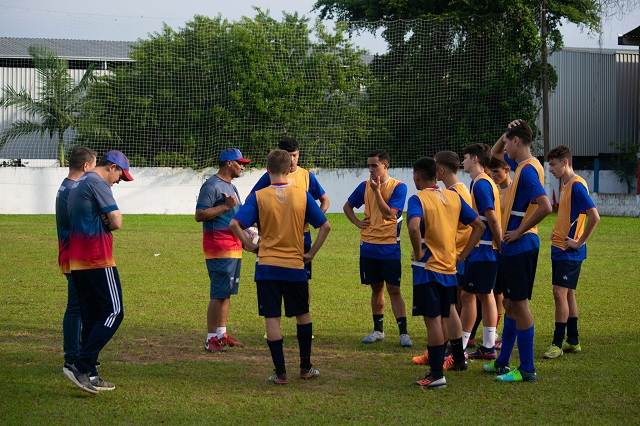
(498, 288)
(480, 277)
(565, 273)
(519, 273)
(432, 300)
(271, 293)
(307, 266)
(374, 271)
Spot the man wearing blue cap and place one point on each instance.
(93, 215)
(217, 203)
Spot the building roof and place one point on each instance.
(632, 38)
(87, 50)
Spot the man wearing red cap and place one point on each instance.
(93, 215)
(217, 203)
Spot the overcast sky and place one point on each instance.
(133, 19)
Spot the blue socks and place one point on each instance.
(508, 341)
(525, 347)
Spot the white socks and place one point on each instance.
(222, 330)
(488, 337)
(465, 339)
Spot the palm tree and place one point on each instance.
(57, 104)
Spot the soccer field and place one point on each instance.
(162, 374)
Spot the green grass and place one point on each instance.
(163, 375)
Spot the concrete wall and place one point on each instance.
(29, 190)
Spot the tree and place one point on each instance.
(55, 108)
(213, 84)
(487, 53)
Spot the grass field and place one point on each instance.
(164, 376)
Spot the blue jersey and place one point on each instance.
(482, 193)
(62, 224)
(528, 190)
(301, 178)
(91, 245)
(436, 228)
(395, 197)
(580, 202)
(281, 212)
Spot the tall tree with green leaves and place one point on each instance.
(56, 105)
(213, 84)
(485, 55)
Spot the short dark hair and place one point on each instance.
(278, 161)
(560, 152)
(522, 130)
(79, 156)
(480, 150)
(425, 167)
(494, 163)
(289, 144)
(448, 159)
(104, 162)
(382, 155)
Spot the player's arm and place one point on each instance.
(544, 208)
(477, 229)
(212, 212)
(323, 232)
(593, 217)
(238, 230)
(112, 220)
(497, 151)
(415, 237)
(324, 203)
(494, 225)
(388, 213)
(351, 215)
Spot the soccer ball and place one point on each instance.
(253, 233)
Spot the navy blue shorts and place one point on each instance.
(432, 300)
(374, 271)
(224, 277)
(519, 273)
(480, 277)
(565, 273)
(499, 287)
(271, 293)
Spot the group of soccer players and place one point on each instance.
(469, 246)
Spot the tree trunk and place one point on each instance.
(61, 147)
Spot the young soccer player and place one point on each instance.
(447, 165)
(501, 175)
(281, 210)
(217, 202)
(302, 178)
(568, 248)
(383, 198)
(526, 204)
(482, 264)
(434, 214)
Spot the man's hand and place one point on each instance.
(375, 184)
(511, 236)
(230, 201)
(364, 223)
(572, 244)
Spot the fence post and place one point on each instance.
(596, 175)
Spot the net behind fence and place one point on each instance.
(181, 95)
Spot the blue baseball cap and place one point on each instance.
(120, 160)
(233, 154)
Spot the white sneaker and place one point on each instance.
(405, 341)
(374, 336)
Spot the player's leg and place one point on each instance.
(467, 315)
(222, 279)
(426, 301)
(392, 270)
(520, 275)
(371, 274)
(270, 307)
(572, 273)
(561, 315)
(296, 303)
(71, 324)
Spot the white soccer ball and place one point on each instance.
(253, 233)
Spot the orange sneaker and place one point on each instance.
(450, 364)
(421, 359)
